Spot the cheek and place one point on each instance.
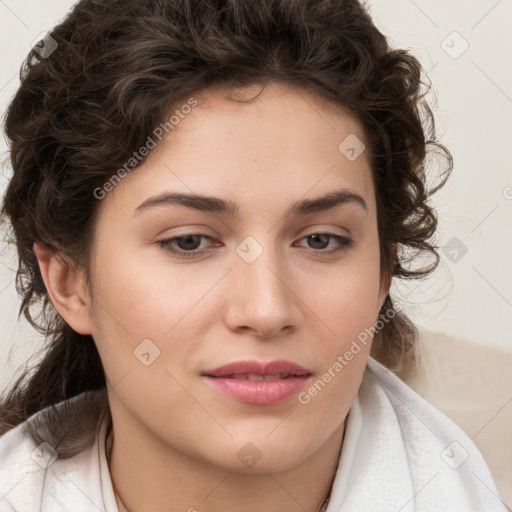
(345, 297)
(345, 305)
(139, 300)
(142, 295)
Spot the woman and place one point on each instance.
(210, 201)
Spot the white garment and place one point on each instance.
(400, 454)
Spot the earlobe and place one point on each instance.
(62, 287)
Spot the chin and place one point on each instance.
(259, 454)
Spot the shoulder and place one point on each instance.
(383, 391)
(19, 470)
(437, 450)
(37, 475)
(380, 385)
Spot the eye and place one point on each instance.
(187, 246)
(322, 239)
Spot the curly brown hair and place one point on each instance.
(118, 67)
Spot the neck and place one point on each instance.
(191, 485)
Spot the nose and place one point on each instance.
(261, 299)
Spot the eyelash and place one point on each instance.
(345, 243)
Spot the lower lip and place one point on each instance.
(261, 392)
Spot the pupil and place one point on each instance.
(315, 238)
(183, 242)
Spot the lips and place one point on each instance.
(254, 370)
(258, 383)
(258, 377)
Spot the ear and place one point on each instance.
(62, 284)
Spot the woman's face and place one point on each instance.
(268, 279)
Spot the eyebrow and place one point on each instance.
(230, 208)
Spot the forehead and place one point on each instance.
(284, 145)
(276, 113)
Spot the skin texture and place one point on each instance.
(176, 438)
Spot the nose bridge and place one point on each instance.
(260, 268)
(262, 299)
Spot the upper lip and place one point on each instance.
(257, 368)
